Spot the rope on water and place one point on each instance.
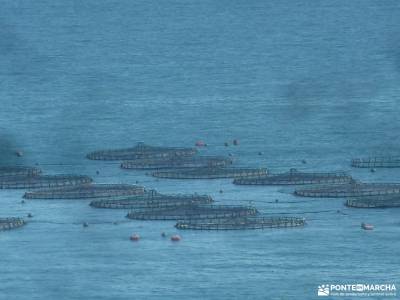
(301, 212)
(285, 202)
(79, 223)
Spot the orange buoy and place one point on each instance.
(175, 238)
(200, 143)
(366, 226)
(135, 237)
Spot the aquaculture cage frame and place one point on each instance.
(294, 177)
(11, 223)
(209, 173)
(141, 150)
(192, 212)
(380, 201)
(87, 191)
(241, 223)
(7, 171)
(43, 181)
(349, 190)
(376, 162)
(153, 201)
(179, 162)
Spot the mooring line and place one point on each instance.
(79, 223)
(277, 202)
(302, 212)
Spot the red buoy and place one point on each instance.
(135, 237)
(200, 143)
(366, 226)
(175, 238)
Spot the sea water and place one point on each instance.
(296, 80)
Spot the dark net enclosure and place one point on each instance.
(87, 191)
(141, 150)
(241, 223)
(192, 212)
(176, 162)
(210, 173)
(42, 181)
(152, 199)
(379, 201)
(19, 171)
(294, 177)
(354, 189)
(11, 223)
(377, 162)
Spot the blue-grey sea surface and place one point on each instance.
(295, 80)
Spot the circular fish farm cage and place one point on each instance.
(376, 162)
(19, 171)
(294, 177)
(42, 181)
(242, 223)
(210, 173)
(141, 151)
(87, 191)
(176, 162)
(11, 223)
(381, 201)
(192, 212)
(152, 201)
(349, 190)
